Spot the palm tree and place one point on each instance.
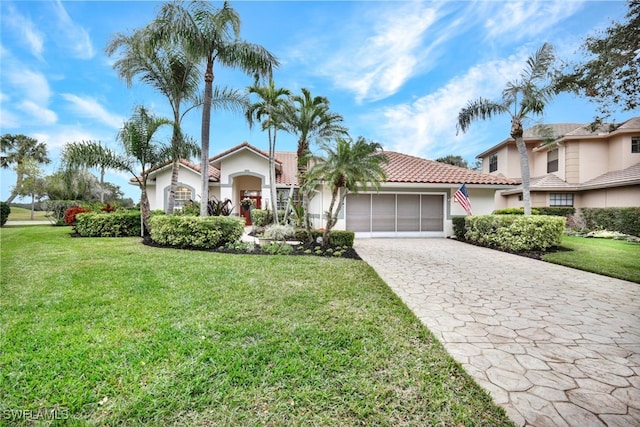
(270, 107)
(170, 72)
(17, 149)
(310, 119)
(520, 98)
(141, 152)
(347, 167)
(208, 35)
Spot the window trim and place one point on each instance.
(635, 145)
(493, 162)
(552, 164)
(561, 199)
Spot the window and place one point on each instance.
(183, 195)
(635, 144)
(493, 163)
(283, 196)
(552, 161)
(560, 199)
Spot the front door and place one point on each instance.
(256, 200)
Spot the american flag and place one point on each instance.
(461, 196)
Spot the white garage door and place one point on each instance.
(395, 214)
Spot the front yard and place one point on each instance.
(109, 331)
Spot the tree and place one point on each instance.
(454, 160)
(16, 149)
(611, 72)
(80, 184)
(520, 98)
(269, 108)
(310, 119)
(32, 183)
(140, 153)
(172, 73)
(209, 35)
(348, 166)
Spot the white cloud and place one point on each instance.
(91, 108)
(376, 59)
(524, 19)
(43, 114)
(27, 31)
(427, 126)
(75, 36)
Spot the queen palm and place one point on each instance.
(170, 72)
(310, 119)
(528, 95)
(347, 166)
(141, 153)
(16, 150)
(208, 35)
(269, 109)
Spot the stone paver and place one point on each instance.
(553, 345)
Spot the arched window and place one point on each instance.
(184, 193)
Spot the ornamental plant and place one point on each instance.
(70, 214)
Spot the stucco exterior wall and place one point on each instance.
(617, 197)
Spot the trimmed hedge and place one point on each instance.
(336, 237)
(623, 220)
(117, 224)
(196, 232)
(514, 211)
(557, 211)
(5, 210)
(515, 233)
(459, 228)
(263, 217)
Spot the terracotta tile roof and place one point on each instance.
(245, 145)
(411, 169)
(289, 172)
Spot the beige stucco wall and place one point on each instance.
(610, 198)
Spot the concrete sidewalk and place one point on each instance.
(553, 345)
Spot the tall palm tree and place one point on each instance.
(348, 166)
(168, 70)
(269, 109)
(310, 119)
(208, 35)
(16, 149)
(141, 153)
(528, 95)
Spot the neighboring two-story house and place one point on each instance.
(572, 165)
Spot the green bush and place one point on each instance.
(336, 238)
(278, 232)
(557, 211)
(514, 211)
(261, 217)
(195, 232)
(458, 227)
(5, 210)
(623, 220)
(514, 232)
(117, 224)
(56, 210)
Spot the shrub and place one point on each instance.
(515, 233)
(70, 214)
(514, 211)
(279, 232)
(458, 227)
(5, 210)
(623, 220)
(557, 211)
(196, 232)
(120, 224)
(278, 248)
(56, 210)
(108, 208)
(261, 217)
(336, 237)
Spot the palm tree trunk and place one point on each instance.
(14, 193)
(171, 201)
(272, 175)
(145, 212)
(517, 133)
(204, 136)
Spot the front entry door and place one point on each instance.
(257, 204)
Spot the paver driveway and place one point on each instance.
(553, 345)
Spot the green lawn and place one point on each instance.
(614, 258)
(111, 332)
(22, 214)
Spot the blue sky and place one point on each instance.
(398, 72)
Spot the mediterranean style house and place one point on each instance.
(574, 164)
(416, 199)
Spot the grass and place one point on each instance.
(112, 332)
(22, 214)
(614, 258)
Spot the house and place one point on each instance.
(416, 200)
(573, 164)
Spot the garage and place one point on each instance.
(397, 214)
